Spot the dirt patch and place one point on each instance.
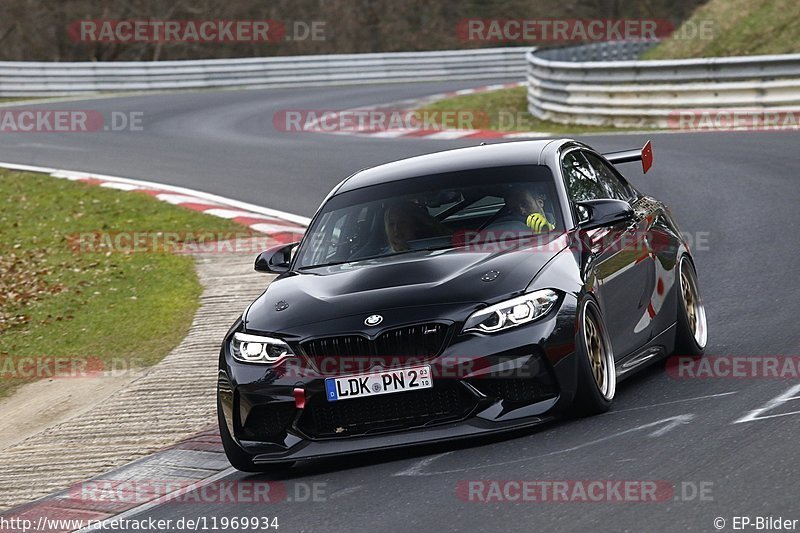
(45, 403)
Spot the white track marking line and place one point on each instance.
(671, 423)
(275, 228)
(28, 168)
(177, 199)
(416, 468)
(678, 421)
(388, 134)
(120, 186)
(779, 400)
(75, 175)
(234, 213)
(345, 492)
(669, 403)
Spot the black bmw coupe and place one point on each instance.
(455, 294)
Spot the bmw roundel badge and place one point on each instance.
(373, 320)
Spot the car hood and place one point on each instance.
(416, 279)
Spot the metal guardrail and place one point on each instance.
(57, 79)
(604, 84)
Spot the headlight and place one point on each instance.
(511, 313)
(258, 349)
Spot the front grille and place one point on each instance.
(446, 401)
(348, 345)
(268, 422)
(424, 340)
(390, 348)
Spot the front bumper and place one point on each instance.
(482, 384)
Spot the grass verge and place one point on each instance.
(734, 28)
(503, 110)
(12, 99)
(89, 309)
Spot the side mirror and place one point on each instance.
(276, 259)
(605, 212)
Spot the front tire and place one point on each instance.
(692, 329)
(597, 374)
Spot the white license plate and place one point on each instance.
(377, 383)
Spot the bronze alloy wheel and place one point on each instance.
(598, 350)
(693, 305)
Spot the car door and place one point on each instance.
(620, 259)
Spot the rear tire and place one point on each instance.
(691, 335)
(597, 375)
(237, 457)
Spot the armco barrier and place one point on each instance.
(59, 79)
(604, 84)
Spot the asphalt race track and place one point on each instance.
(737, 192)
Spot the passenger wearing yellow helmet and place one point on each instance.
(524, 210)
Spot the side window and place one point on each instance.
(582, 180)
(610, 182)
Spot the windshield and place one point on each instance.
(431, 212)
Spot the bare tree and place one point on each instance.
(40, 29)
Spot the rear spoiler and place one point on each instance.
(645, 155)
